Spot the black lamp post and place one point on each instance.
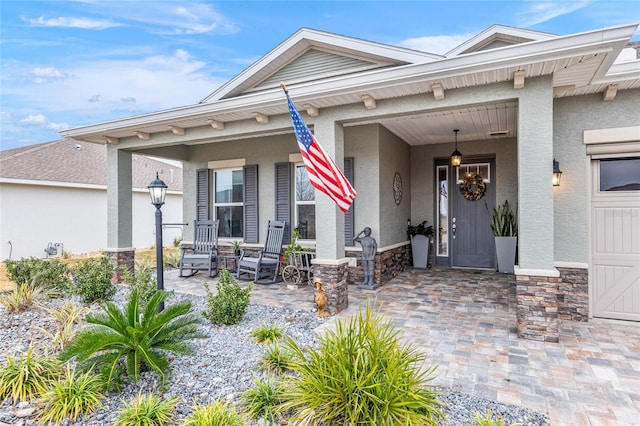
(157, 191)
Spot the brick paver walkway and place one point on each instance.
(465, 322)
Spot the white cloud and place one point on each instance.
(187, 18)
(5, 117)
(45, 74)
(57, 126)
(436, 44)
(94, 98)
(70, 22)
(36, 120)
(539, 12)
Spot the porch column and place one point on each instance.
(119, 209)
(330, 265)
(536, 278)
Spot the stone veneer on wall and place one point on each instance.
(573, 294)
(334, 283)
(123, 260)
(537, 308)
(388, 265)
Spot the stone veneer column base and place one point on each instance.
(573, 294)
(333, 275)
(537, 306)
(123, 259)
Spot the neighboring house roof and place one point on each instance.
(579, 64)
(69, 161)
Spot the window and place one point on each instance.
(480, 169)
(305, 208)
(228, 204)
(443, 212)
(620, 174)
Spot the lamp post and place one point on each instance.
(158, 190)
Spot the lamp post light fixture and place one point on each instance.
(557, 173)
(158, 190)
(456, 156)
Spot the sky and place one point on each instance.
(67, 64)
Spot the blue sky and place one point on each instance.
(72, 63)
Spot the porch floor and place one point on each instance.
(465, 321)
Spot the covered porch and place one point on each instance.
(464, 320)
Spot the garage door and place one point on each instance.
(615, 221)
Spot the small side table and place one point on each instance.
(234, 261)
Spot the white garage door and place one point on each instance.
(615, 219)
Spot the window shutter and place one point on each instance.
(349, 216)
(283, 198)
(203, 185)
(251, 231)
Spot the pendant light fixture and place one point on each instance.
(456, 157)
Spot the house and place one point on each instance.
(54, 195)
(519, 99)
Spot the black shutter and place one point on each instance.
(283, 198)
(348, 217)
(203, 188)
(251, 231)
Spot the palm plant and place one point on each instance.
(361, 374)
(142, 336)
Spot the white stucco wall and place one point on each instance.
(571, 199)
(31, 216)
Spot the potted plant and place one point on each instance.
(420, 236)
(237, 244)
(504, 224)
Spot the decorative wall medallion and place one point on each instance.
(397, 188)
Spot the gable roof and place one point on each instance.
(310, 55)
(68, 161)
(580, 64)
(497, 36)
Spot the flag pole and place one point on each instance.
(284, 88)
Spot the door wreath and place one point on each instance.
(472, 187)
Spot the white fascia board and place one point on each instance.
(499, 29)
(621, 71)
(34, 182)
(601, 41)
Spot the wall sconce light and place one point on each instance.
(456, 157)
(557, 173)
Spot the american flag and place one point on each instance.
(324, 175)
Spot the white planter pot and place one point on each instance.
(420, 251)
(506, 253)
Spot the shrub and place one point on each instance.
(362, 374)
(49, 273)
(76, 394)
(143, 337)
(171, 259)
(21, 297)
(27, 376)
(218, 414)
(147, 410)
(263, 400)
(68, 316)
(230, 304)
(92, 278)
(144, 281)
(276, 359)
(267, 333)
(488, 420)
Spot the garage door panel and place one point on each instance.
(615, 252)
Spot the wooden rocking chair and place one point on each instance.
(203, 256)
(267, 263)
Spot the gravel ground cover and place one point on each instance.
(223, 366)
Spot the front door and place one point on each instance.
(471, 238)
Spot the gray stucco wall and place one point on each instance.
(361, 142)
(571, 199)
(394, 157)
